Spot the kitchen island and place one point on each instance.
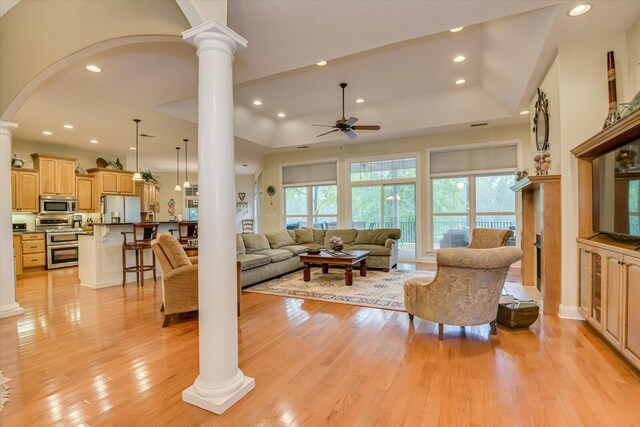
(100, 255)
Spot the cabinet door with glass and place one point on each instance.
(584, 271)
(596, 306)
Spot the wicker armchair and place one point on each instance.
(466, 289)
(179, 277)
(485, 238)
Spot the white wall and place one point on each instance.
(244, 184)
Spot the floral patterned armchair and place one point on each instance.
(466, 289)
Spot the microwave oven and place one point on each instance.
(57, 204)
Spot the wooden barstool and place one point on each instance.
(187, 230)
(143, 234)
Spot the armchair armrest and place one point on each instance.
(194, 260)
(390, 242)
(181, 289)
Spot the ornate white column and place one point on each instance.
(8, 304)
(220, 383)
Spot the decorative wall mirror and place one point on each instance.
(541, 122)
(271, 191)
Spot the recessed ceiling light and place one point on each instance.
(524, 112)
(321, 63)
(580, 9)
(359, 100)
(94, 141)
(47, 132)
(459, 58)
(93, 68)
(68, 126)
(460, 81)
(257, 102)
(455, 30)
(132, 148)
(282, 115)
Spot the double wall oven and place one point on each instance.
(61, 239)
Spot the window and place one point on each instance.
(634, 207)
(191, 203)
(383, 195)
(311, 195)
(311, 206)
(484, 201)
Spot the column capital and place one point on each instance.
(217, 31)
(6, 128)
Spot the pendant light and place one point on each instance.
(178, 170)
(186, 184)
(137, 176)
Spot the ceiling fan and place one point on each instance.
(347, 125)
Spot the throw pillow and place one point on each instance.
(318, 235)
(255, 242)
(304, 235)
(240, 250)
(348, 236)
(279, 239)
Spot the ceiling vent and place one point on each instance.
(478, 124)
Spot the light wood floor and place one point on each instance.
(80, 356)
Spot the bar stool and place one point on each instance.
(143, 234)
(187, 230)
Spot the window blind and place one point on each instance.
(325, 173)
(474, 159)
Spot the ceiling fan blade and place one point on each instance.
(351, 120)
(351, 134)
(324, 126)
(326, 133)
(365, 127)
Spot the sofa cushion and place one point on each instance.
(248, 261)
(318, 235)
(255, 242)
(276, 255)
(376, 250)
(240, 250)
(348, 235)
(279, 239)
(377, 236)
(293, 235)
(173, 250)
(304, 235)
(295, 249)
(317, 246)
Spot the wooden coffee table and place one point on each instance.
(327, 259)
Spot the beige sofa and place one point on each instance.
(264, 256)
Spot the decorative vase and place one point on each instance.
(336, 244)
(17, 162)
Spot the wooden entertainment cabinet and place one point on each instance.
(608, 270)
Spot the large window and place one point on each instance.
(464, 202)
(383, 195)
(311, 206)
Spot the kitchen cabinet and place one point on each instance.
(609, 294)
(109, 181)
(30, 252)
(149, 196)
(24, 190)
(86, 193)
(57, 174)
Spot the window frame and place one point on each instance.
(186, 198)
(309, 215)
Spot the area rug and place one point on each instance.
(4, 390)
(378, 289)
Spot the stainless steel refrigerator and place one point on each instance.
(128, 208)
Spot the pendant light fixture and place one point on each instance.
(178, 170)
(137, 176)
(186, 184)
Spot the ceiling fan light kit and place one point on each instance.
(345, 125)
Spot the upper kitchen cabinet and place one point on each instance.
(86, 193)
(149, 196)
(112, 181)
(57, 174)
(24, 190)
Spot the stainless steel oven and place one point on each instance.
(57, 205)
(59, 256)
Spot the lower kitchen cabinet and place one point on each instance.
(30, 252)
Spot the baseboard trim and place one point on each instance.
(11, 310)
(569, 312)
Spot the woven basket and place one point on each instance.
(516, 318)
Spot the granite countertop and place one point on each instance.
(15, 233)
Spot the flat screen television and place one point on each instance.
(616, 192)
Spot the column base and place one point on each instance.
(218, 404)
(11, 310)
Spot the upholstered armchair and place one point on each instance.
(179, 277)
(466, 289)
(485, 238)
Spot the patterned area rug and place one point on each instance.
(4, 390)
(378, 289)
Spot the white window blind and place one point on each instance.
(318, 173)
(474, 159)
